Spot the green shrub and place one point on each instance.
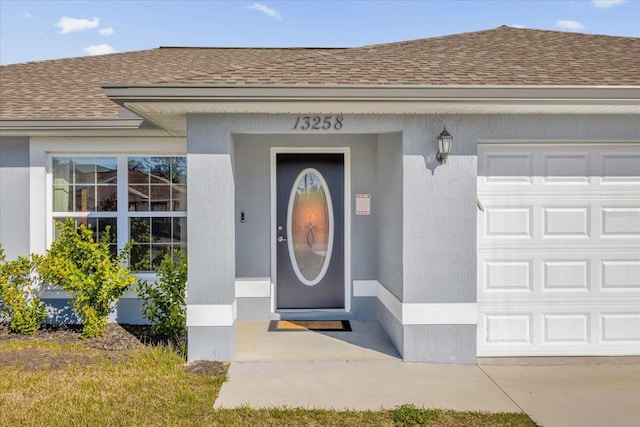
(88, 272)
(18, 291)
(163, 302)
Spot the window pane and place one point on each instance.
(140, 258)
(107, 198)
(157, 253)
(140, 230)
(179, 230)
(106, 170)
(138, 170)
(179, 170)
(159, 170)
(84, 171)
(62, 199)
(161, 198)
(161, 230)
(85, 198)
(61, 168)
(138, 197)
(179, 197)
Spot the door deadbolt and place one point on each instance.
(281, 239)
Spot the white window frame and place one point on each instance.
(42, 151)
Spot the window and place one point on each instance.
(157, 208)
(154, 216)
(85, 188)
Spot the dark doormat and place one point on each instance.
(310, 325)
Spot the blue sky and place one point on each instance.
(37, 30)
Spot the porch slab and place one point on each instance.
(366, 341)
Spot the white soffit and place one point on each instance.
(167, 105)
(172, 115)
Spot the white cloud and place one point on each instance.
(68, 25)
(28, 15)
(99, 49)
(567, 24)
(266, 10)
(518, 26)
(606, 4)
(105, 31)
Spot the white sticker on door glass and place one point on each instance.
(310, 226)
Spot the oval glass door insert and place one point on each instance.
(310, 226)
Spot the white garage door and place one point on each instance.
(558, 249)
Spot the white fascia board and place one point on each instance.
(121, 93)
(64, 123)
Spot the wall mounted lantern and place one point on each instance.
(444, 146)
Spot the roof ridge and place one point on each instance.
(253, 48)
(491, 30)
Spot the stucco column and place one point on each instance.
(211, 305)
(439, 245)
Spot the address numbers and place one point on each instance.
(318, 122)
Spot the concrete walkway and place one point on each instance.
(361, 370)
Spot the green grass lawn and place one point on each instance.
(151, 387)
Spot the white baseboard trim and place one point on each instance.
(365, 288)
(428, 313)
(211, 314)
(253, 287)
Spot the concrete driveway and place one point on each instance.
(361, 371)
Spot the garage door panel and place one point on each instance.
(617, 274)
(505, 222)
(507, 167)
(566, 328)
(566, 168)
(620, 167)
(621, 221)
(620, 327)
(565, 274)
(559, 257)
(566, 221)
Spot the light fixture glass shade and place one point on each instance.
(445, 140)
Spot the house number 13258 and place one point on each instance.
(318, 122)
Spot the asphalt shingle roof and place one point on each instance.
(71, 88)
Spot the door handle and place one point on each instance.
(281, 239)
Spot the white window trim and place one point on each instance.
(42, 151)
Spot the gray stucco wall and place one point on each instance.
(439, 216)
(388, 208)
(14, 195)
(210, 205)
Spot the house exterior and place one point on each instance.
(305, 183)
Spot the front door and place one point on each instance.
(310, 231)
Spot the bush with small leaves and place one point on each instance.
(20, 301)
(163, 301)
(86, 270)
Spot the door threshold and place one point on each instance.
(312, 314)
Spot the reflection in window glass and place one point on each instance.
(157, 184)
(84, 184)
(153, 237)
